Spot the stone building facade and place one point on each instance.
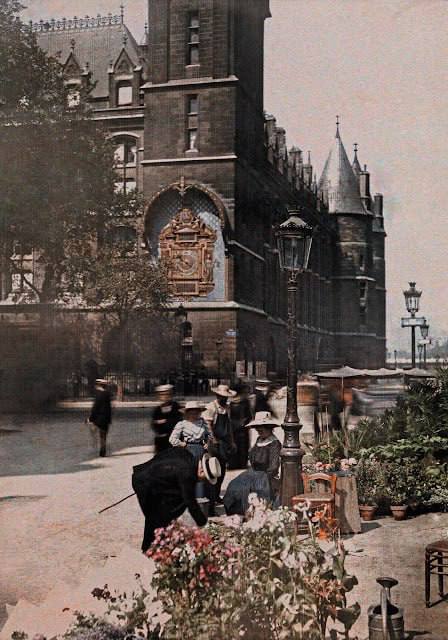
(186, 110)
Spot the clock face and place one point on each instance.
(186, 263)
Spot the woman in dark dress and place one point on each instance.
(262, 477)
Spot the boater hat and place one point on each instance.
(164, 387)
(262, 419)
(224, 391)
(211, 468)
(101, 381)
(194, 405)
(261, 384)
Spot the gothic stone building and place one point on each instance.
(185, 108)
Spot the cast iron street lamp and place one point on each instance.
(412, 299)
(181, 316)
(219, 342)
(294, 240)
(424, 330)
(420, 354)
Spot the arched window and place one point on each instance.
(126, 150)
(124, 94)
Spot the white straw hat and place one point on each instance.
(262, 419)
(211, 468)
(194, 405)
(224, 391)
(164, 387)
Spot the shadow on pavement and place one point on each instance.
(20, 498)
(61, 442)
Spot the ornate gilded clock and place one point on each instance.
(187, 244)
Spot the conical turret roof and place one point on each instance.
(355, 164)
(338, 184)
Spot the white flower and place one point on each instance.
(352, 461)
(233, 522)
(190, 552)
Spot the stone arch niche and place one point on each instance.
(183, 224)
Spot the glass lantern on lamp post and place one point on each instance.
(294, 241)
(424, 330)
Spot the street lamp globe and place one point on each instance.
(294, 240)
(424, 329)
(412, 299)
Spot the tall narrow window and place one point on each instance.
(193, 38)
(192, 122)
(124, 94)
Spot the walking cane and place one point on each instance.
(115, 503)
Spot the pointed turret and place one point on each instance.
(338, 185)
(355, 164)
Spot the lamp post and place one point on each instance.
(181, 316)
(424, 330)
(420, 354)
(412, 299)
(294, 240)
(219, 342)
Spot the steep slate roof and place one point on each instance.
(338, 184)
(99, 44)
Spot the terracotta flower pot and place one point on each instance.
(367, 511)
(399, 511)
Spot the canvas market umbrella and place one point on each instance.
(383, 373)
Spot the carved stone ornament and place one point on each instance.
(187, 244)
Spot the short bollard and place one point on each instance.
(385, 619)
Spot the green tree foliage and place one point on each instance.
(30, 80)
(56, 165)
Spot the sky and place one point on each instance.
(381, 66)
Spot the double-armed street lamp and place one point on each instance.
(294, 240)
(412, 299)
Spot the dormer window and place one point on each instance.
(124, 94)
(73, 96)
(193, 38)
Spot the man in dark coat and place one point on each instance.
(165, 417)
(165, 488)
(101, 413)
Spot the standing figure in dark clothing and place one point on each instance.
(101, 413)
(262, 394)
(240, 415)
(165, 488)
(262, 477)
(220, 443)
(165, 417)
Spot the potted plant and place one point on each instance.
(367, 482)
(397, 488)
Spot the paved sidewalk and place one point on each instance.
(53, 485)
